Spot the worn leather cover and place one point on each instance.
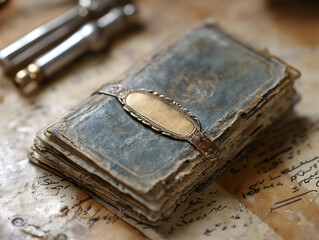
(215, 76)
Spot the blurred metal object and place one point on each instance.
(20, 53)
(92, 36)
(38, 41)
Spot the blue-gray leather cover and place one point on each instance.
(209, 72)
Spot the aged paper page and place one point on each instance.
(271, 188)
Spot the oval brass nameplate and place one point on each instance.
(162, 114)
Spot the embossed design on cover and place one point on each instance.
(200, 85)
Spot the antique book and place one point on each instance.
(170, 124)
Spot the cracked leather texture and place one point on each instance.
(208, 71)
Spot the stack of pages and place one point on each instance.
(234, 91)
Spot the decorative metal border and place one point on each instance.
(202, 143)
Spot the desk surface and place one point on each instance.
(274, 186)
